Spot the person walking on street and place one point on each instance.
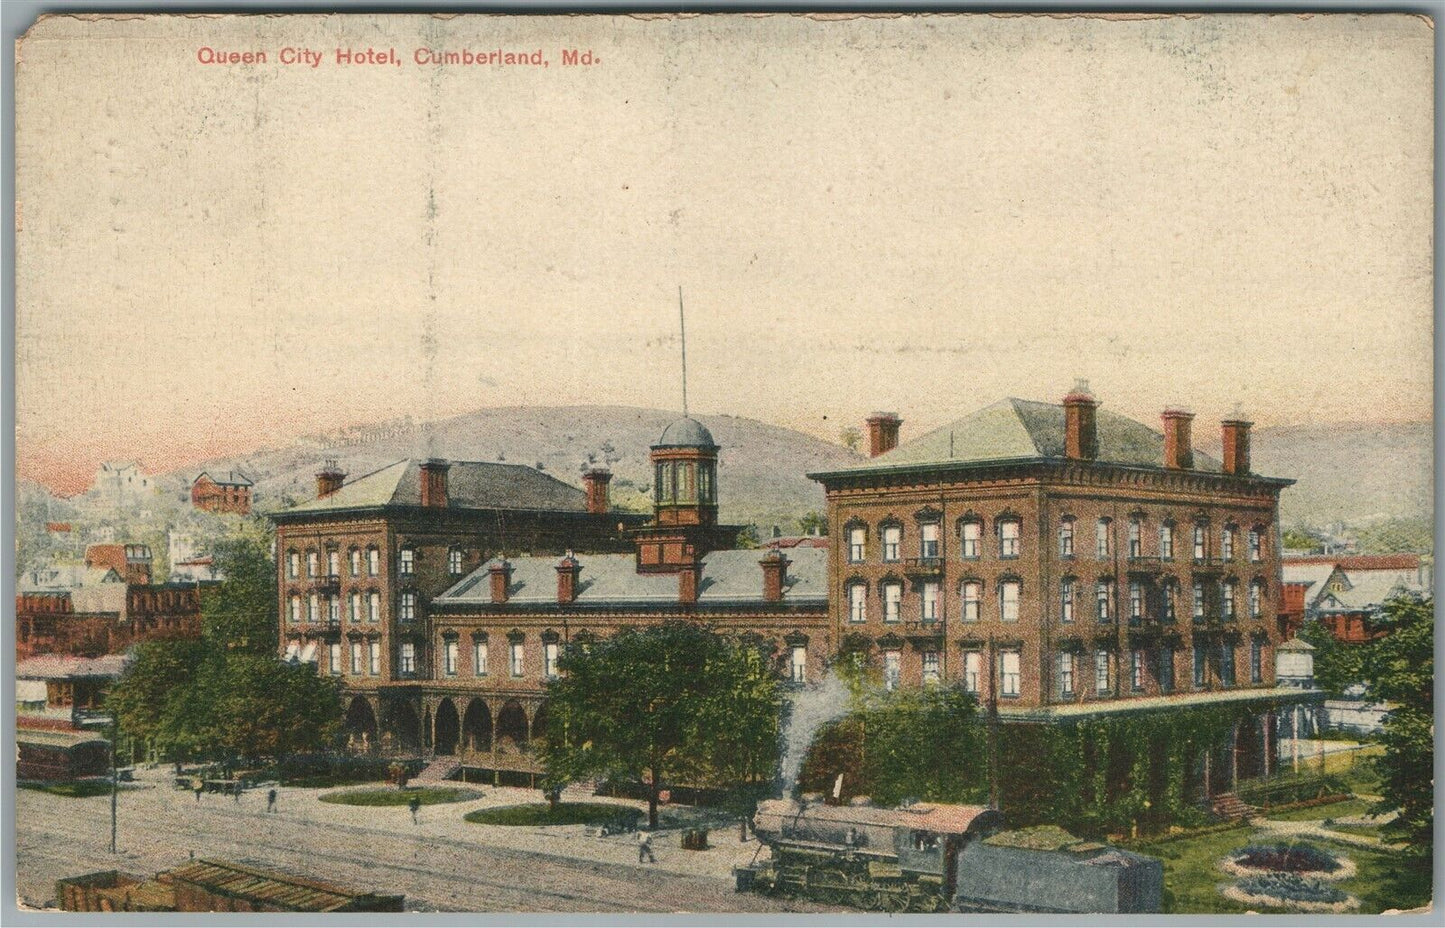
(414, 804)
(271, 799)
(196, 787)
(644, 846)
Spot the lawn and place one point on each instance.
(327, 780)
(79, 789)
(566, 813)
(429, 796)
(1341, 809)
(1192, 879)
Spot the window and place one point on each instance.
(1256, 661)
(1256, 599)
(1008, 601)
(1136, 670)
(1104, 597)
(549, 659)
(798, 665)
(355, 557)
(407, 564)
(333, 654)
(1166, 541)
(892, 539)
(333, 608)
(313, 607)
(408, 657)
(969, 540)
(930, 667)
(375, 658)
(892, 669)
(1102, 547)
(333, 563)
(1200, 542)
(972, 600)
(1198, 667)
(313, 563)
(1226, 664)
(857, 602)
(454, 562)
(1066, 674)
(373, 562)
(857, 544)
(295, 609)
(356, 658)
(1170, 593)
(1198, 601)
(1066, 538)
(355, 606)
(1256, 545)
(1226, 543)
(1136, 600)
(373, 607)
(972, 667)
(1066, 600)
(892, 599)
(1136, 542)
(1008, 539)
(517, 666)
(293, 564)
(449, 657)
(1101, 673)
(479, 658)
(930, 601)
(1008, 672)
(1165, 673)
(1227, 590)
(408, 606)
(928, 540)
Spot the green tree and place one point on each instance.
(1301, 539)
(1399, 668)
(925, 744)
(158, 675)
(813, 521)
(1338, 666)
(669, 702)
(749, 537)
(240, 614)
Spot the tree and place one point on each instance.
(811, 521)
(1399, 668)
(669, 702)
(158, 674)
(240, 614)
(850, 436)
(1338, 666)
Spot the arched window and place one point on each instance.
(454, 562)
(293, 564)
(1008, 537)
(1066, 537)
(1166, 541)
(1256, 599)
(1008, 599)
(892, 592)
(972, 600)
(373, 561)
(970, 533)
(1103, 542)
(857, 601)
(892, 535)
(1066, 600)
(295, 609)
(406, 562)
(1104, 599)
(354, 556)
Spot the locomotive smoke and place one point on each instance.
(809, 710)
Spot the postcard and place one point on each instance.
(738, 463)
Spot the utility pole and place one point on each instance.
(114, 777)
(992, 725)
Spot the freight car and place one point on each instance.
(931, 857)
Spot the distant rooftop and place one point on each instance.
(470, 485)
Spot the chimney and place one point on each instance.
(1236, 444)
(883, 433)
(688, 577)
(775, 571)
(1081, 435)
(595, 481)
(567, 570)
(501, 576)
(329, 479)
(1178, 445)
(434, 483)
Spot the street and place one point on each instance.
(440, 864)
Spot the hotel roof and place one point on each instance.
(470, 485)
(1015, 431)
(728, 577)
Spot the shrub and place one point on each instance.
(1288, 858)
(1292, 888)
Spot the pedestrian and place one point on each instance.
(271, 799)
(414, 804)
(644, 846)
(236, 792)
(196, 787)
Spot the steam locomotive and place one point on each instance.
(931, 857)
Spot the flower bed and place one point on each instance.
(1290, 891)
(1303, 860)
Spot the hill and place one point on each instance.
(761, 467)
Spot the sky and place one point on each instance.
(920, 214)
